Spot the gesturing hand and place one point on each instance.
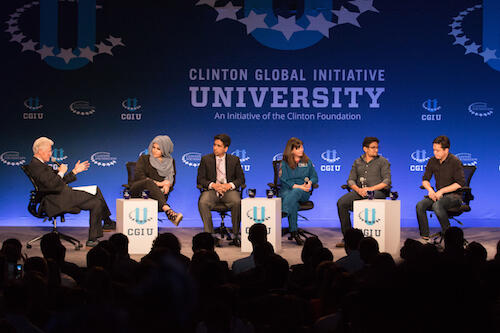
(81, 166)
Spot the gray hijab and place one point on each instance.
(165, 167)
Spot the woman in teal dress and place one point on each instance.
(297, 175)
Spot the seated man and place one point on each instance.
(64, 199)
(220, 175)
(370, 172)
(449, 175)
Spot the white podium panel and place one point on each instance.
(138, 220)
(265, 211)
(380, 219)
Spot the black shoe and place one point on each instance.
(236, 242)
(297, 238)
(109, 225)
(92, 243)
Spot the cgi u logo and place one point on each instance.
(374, 218)
(131, 104)
(300, 39)
(49, 31)
(491, 29)
(33, 103)
(242, 154)
(431, 105)
(420, 156)
(144, 216)
(262, 214)
(58, 153)
(330, 156)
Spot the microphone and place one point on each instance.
(306, 180)
(53, 159)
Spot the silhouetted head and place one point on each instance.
(203, 241)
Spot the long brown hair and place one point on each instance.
(293, 143)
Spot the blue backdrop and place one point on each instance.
(103, 78)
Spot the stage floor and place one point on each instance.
(488, 237)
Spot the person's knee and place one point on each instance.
(204, 201)
(422, 205)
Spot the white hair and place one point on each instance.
(41, 142)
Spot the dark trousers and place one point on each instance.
(97, 207)
(345, 206)
(208, 200)
(154, 191)
(440, 208)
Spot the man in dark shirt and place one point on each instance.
(449, 175)
(370, 172)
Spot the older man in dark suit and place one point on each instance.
(61, 198)
(220, 176)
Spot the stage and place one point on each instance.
(488, 237)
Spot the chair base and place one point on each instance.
(301, 232)
(223, 231)
(75, 242)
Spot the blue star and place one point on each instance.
(460, 40)
(472, 48)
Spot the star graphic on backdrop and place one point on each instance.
(66, 54)
(455, 25)
(115, 41)
(15, 15)
(455, 32)
(458, 18)
(465, 12)
(254, 21)
(364, 6)
(345, 16)
(46, 51)
(12, 29)
(287, 26)
(87, 53)
(460, 40)
(20, 10)
(103, 48)
(17, 38)
(11, 21)
(488, 54)
(472, 48)
(29, 45)
(210, 3)
(319, 23)
(28, 5)
(228, 11)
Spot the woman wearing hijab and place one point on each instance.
(297, 175)
(155, 172)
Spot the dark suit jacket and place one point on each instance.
(207, 172)
(59, 197)
(144, 169)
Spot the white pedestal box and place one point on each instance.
(265, 211)
(380, 219)
(138, 220)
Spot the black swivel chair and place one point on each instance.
(303, 206)
(464, 207)
(223, 211)
(35, 209)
